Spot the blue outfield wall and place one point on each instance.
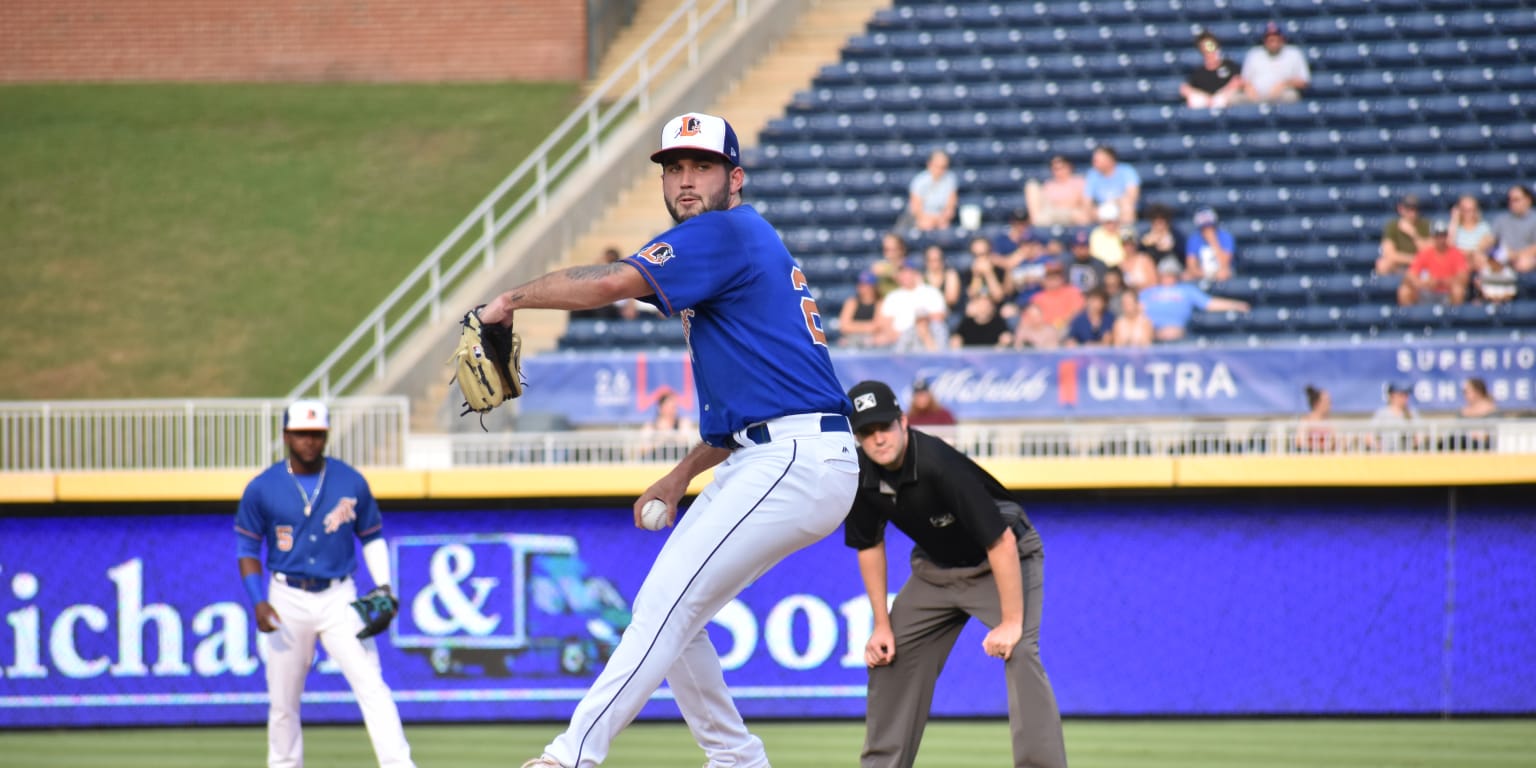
(1195, 603)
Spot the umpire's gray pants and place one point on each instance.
(929, 612)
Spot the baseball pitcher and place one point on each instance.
(772, 417)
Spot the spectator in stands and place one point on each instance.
(1438, 273)
(1274, 71)
(1479, 406)
(915, 312)
(1497, 282)
(1058, 300)
(1062, 201)
(1092, 326)
(1470, 231)
(1137, 270)
(1105, 240)
(934, 195)
(988, 277)
(1035, 331)
(941, 276)
(1315, 434)
(1084, 270)
(1132, 328)
(1114, 282)
(1398, 411)
(1171, 303)
(1516, 231)
(1111, 181)
(859, 323)
(893, 254)
(668, 428)
(1020, 243)
(1208, 252)
(925, 410)
(623, 309)
(982, 326)
(669, 419)
(1402, 238)
(1160, 240)
(1217, 82)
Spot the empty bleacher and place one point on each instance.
(1408, 96)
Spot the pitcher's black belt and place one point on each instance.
(761, 433)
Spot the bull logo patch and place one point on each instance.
(691, 126)
(657, 253)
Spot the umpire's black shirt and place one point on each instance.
(951, 508)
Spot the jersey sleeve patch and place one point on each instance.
(657, 253)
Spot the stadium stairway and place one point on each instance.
(759, 96)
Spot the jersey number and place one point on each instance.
(284, 538)
(808, 308)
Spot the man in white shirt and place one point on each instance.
(915, 312)
(1275, 71)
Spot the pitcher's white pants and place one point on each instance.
(291, 652)
(765, 502)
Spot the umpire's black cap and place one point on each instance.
(873, 403)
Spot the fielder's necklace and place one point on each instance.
(309, 501)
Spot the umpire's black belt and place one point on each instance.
(307, 583)
(788, 427)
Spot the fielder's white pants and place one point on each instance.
(290, 653)
(765, 502)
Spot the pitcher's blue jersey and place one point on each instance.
(756, 339)
(272, 511)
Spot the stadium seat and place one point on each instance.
(1318, 318)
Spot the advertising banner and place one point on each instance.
(620, 388)
(1222, 604)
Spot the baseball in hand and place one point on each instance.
(653, 516)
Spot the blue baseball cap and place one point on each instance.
(1205, 217)
(1081, 238)
(868, 278)
(700, 132)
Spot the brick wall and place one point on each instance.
(292, 40)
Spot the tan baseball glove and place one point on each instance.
(488, 364)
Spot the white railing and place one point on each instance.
(187, 434)
(1066, 440)
(374, 431)
(525, 192)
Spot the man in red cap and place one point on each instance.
(1275, 71)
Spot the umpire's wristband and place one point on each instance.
(253, 587)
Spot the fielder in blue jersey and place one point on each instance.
(774, 424)
(309, 511)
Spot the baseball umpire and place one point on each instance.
(975, 554)
(308, 509)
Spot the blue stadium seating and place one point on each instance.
(1433, 97)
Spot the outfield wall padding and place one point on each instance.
(1202, 602)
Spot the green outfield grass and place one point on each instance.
(219, 240)
(948, 744)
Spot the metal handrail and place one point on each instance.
(475, 239)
